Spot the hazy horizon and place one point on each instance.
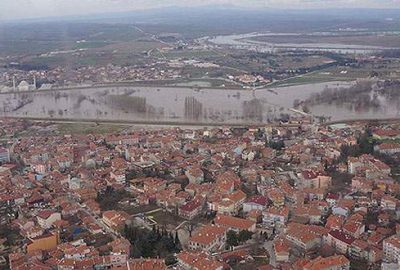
(31, 9)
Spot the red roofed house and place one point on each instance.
(275, 215)
(371, 166)
(208, 238)
(334, 222)
(389, 203)
(195, 175)
(234, 223)
(332, 199)
(120, 246)
(386, 134)
(152, 185)
(276, 196)
(339, 240)
(354, 227)
(313, 179)
(388, 148)
(281, 249)
(303, 238)
(142, 264)
(257, 202)
(46, 218)
(190, 210)
(238, 197)
(196, 260)
(339, 262)
(115, 219)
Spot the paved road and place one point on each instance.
(269, 247)
(148, 212)
(99, 222)
(183, 237)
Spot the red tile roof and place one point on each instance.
(342, 236)
(234, 222)
(327, 263)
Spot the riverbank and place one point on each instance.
(117, 124)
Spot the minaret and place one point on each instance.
(14, 84)
(34, 82)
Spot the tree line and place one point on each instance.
(234, 239)
(157, 242)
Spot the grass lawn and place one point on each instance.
(311, 78)
(388, 71)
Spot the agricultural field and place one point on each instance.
(385, 70)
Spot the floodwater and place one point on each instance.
(244, 41)
(180, 104)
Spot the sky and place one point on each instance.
(24, 9)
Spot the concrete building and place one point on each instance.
(4, 155)
(391, 249)
(209, 238)
(42, 243)
(339, 240)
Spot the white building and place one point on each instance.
(74, 183)
(388, 148)
(25, 86)
(391, 249)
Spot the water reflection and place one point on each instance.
(179, 104)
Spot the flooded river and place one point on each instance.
(246, 41)
(179, 104)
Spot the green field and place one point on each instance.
(388, 70)
(88, 128)
(91, 44)
(308, 79)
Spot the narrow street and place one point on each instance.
(268, 245)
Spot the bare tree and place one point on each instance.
(189, 227)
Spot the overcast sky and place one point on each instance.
(17, 9)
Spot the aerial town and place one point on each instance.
(200, 135)
(296, 195)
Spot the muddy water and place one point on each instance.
(178, 104)
(244, 41)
